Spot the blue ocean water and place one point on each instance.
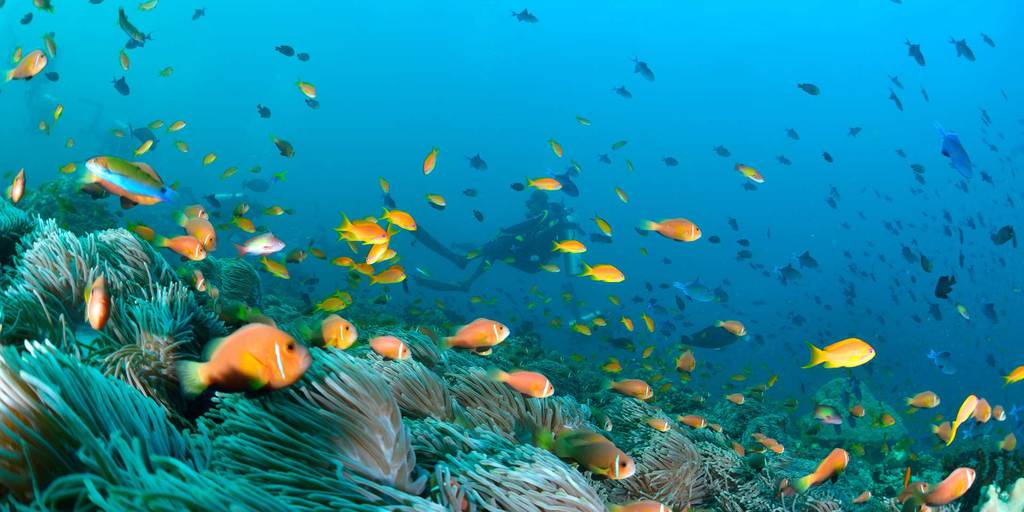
(396, 79)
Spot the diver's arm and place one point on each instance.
(433, 244)
(524, 226)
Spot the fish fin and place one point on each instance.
(211, 347)
(256, 371)
(160, 241)
(817, 357)
(649, 225)
(952, 433)
(587, 270)
(9, 76)
(801, 484)
(191, 376)
(179, 218)
(497, 375)
(241, 250)
(127, 203)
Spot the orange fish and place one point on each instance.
(480, 334)
(603, 273)
(857, 411)
(546, 184)
(531, 384)
(924, 400)
(390, 347)
(569, 246)
(612, 366)
(365, 231)
(392, 275)
(952, 488)
(253, 358)
(659, 424)
(682, 230)
(199, 228)
(944, 431)
(736, 398)
(686, 362)
(998, 413)
(982, 411)
(97, 303)
(863, 497)
(848, 353)
(627, 322)
(648, 322)
(145, 232)
(738, 448)
(400, 219)
(17, 189)
(693, 421)
(594, 452)
(29, 66)
(187, 246)
(199, 281)
(1009, 443)
(733, 326)
(829, 468)
(635, 388)
(338, 332)
(430, 161)
(556, 148)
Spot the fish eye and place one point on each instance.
(623, 463)
(345, 327)
(291, 346)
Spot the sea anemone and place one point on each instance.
(336, 440)
(55, 411)
(420, 392)
(668, 470)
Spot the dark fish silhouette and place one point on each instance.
(854, 131)
(944, 286)
(469, 192)
(622, 91)
(263, 111)
(199, 13)
(303, 56)
(896, 99)
(285, 50)
(641, 68)
(478, 216)
(603, 158)
(783, 160)
(914, 50)
(722, 151)
(26, 19)
(312, 103)
(475, 162)
(525, 16)
(896, 81)
(962, 50)
(807, 261)
(52, 76)
(568, 186)
(670, 162)
(1005, 234)
(121, 86)
(811, 89)
(828, 157)
(988, 40)
(924, 94)
(791, 133)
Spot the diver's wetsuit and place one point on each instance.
(525, 246)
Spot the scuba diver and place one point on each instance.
(525, 246)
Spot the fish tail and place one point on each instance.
(587, 270)
(554, 244)
(802, 484)
(190, 375)
(179, 218)
(241, 250)
(160, 241)
(497, 375)
(9, 76)
(817, 356)
(649, 225)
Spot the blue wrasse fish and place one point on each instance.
(954, 150)
(134, 182)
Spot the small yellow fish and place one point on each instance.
(622, 195)
(155, 125)
(229, 172)
(175, 126)
(603, 226)
(166, 72)
(148, 6)
(308, 89)
(209, 158)
(57, 112)
(180, 144)
(68, 168)
(123, 59)
(144, 147)
(70, 143)
(583, 121)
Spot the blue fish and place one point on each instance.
(954, 150)
(696, 291)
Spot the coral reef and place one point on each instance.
(996, 501)
(95, 419)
